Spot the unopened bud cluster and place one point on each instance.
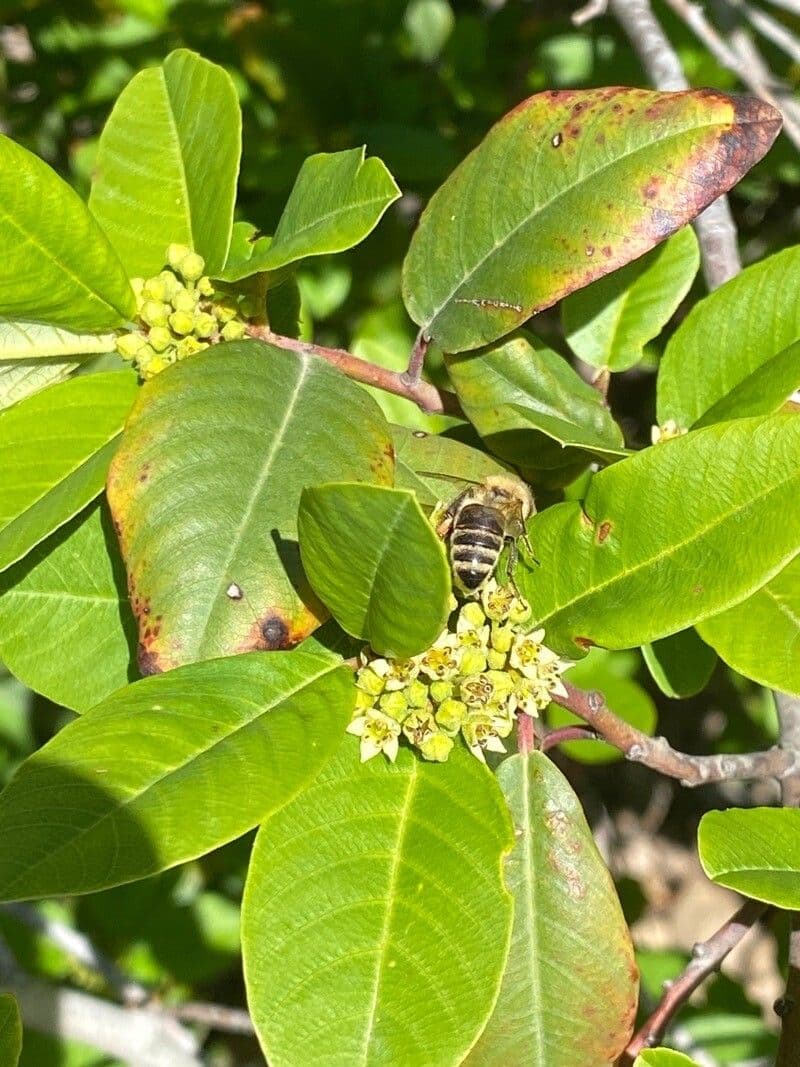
(179, 313)
(667, 432)
(481, 671)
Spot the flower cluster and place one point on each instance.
(179, 313)
(480, 672)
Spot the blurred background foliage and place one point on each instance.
(420, 83)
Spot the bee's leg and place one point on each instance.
(442, 516)
(513, 559)
(529, 549)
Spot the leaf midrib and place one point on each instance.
(547, 205)
(667, 552)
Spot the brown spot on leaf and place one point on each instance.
(600, 138)
(573, 131)
(603, 530)
(584, 642)
(275, 633)
(148, 661)
(144, 472)
(608, 251)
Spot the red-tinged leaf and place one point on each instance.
(566, 188)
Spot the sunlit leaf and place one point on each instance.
(755, 851)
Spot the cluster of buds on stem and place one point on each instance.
(482, 670)
(178, 314)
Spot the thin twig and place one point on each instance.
(659, 755)
(753, 62)
(695, 18)
(715, 228)
(594, 9)
(526, 735)
(789, 1005)
(770, 28)
(413, 373)
(567, 733)
(787, 5)
(426, 396)
(80, 948)
(707, 957)
(213, 1016)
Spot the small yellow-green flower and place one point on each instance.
(436, 747)
(525, 653)
(378, 733)
(479, 733)
(440, 662)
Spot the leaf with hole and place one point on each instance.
(337, 200)
(205, 488)
(168, 162)
(754, 851)
(69, 592)
(55, 449)
(566, 188)
(760, 637)
(608, 323)
(58, 267)
(642, 563)
(375, 921)
(735, 341)
(115, 795)
(376, 562)
(569, 938)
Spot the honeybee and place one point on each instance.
(479, 522)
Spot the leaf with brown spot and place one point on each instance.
(518, 224)
(569, 992)
(229, 439)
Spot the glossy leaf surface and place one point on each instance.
(20, 378)
(33, 340)
(566, 188)
(642, 565)
(55, 449)
(205, 489)
(681, 664)
(528, 405)
(57, 267)
(10, 1031)
(181, 187)
(609, 322)
(760, 637)
(437, 468)
(116, 794)
(728, 340)
(70, 593)
(358, 947)
(763, 392)
(755, 851)
(337, 200)
(370, 554)
(569, 941)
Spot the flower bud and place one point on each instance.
(154, 313)
(473, 661)
(205, 286)
(225, 310)
(204, 324)
(189, 346)
(155, 289)
(130, 344)
(437, 747)
(181, 322)
(441, 691)
(369, 681)
(502, 638)
(176, 255)
(495, 660)
(183, 300)
(137, 284)
(233, 331)
(394, 704)
(450, 715)
(192, 267)
(160, 338)
(154, 366)
(416, 694)
(170, 283)
(473, 614)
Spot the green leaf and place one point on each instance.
(10, 1031)
(66, 628)
(641, 564)
(626, 698)
(205, 489)
(375, 922)
(33, 340)
(20, 378)
(609, 322)
(760, 637)
(529, 405)
(755, 851)
(663, 1057)
(567, 187)
(55, 448)
(436, 468)
(57, 268)
(570, 944)
(337, 200)
(732, 336)
(681, 664)
(168, 162)
(116, 794)
(763, 392)
(370, 554)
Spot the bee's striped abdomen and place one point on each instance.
(475, 544)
